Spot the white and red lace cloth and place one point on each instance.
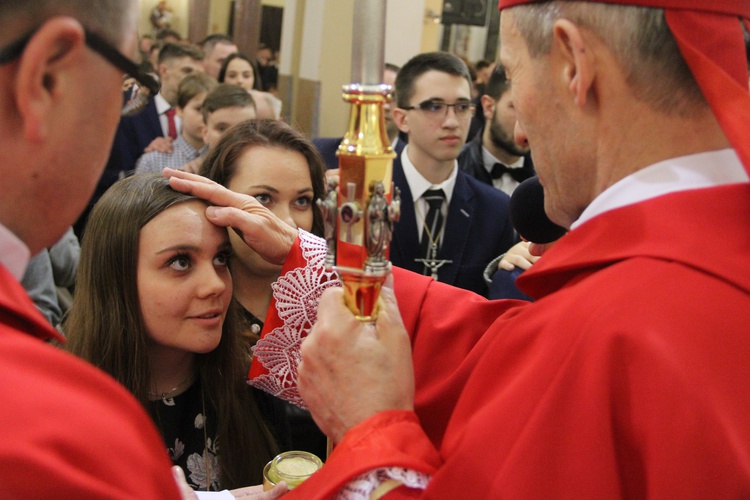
(276, 356)
(294, 309)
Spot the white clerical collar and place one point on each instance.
(697, 171)
(14, 254)
(418, 184)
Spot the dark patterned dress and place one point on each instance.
(189, 433)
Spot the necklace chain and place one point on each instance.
(433, 241)
(167, 394)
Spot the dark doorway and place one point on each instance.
(270, 27)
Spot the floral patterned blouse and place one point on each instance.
(190, 436)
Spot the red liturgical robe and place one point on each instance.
(628, 377)
(69, 430)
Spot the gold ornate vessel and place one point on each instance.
(362, 207)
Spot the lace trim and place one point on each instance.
(297, 294)
(361, 487)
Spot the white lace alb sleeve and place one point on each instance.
(297, 294)
(378, 482)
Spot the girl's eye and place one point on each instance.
(222, 259)
(263, 198)
(303, 202)
(179, 262)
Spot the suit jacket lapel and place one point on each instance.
(457, 228)
(152, 117)
(405, 243)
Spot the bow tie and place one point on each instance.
(518, 174)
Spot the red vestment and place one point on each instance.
(69, 430)
(627, 378)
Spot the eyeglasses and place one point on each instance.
(140, 84)
(438, 110)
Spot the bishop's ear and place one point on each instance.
(47, 71)
(577, 64)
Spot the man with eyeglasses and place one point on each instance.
(69, 431)
(451, 225)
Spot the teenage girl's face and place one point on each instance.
(239, 72)
(280, 180)
(184, 286)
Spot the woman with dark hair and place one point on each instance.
(239, 69)
(281, 168)
(153, 307)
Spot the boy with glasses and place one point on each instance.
(451, 225)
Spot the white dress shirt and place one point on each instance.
(418, 185)
(504, 183)
(161, 107)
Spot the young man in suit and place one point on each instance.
(159, 119)
(495, 158)
(468, 226)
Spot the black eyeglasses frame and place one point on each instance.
(425, 105)
(99, 45)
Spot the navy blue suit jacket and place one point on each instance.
(477, 230)
(137, 132)
(471, 161)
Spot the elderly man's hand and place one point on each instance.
(352, 370)
(261, 230)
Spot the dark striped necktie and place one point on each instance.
(433, 225)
